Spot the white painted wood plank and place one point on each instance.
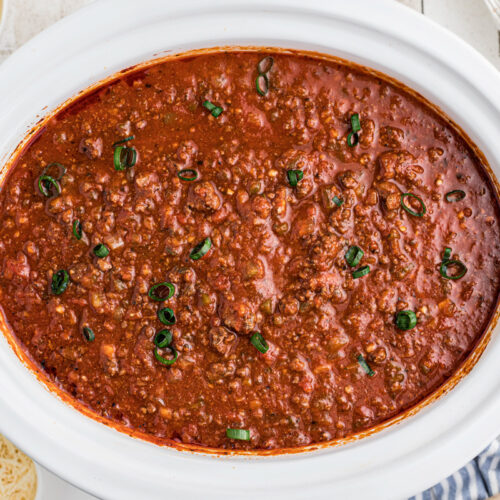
(470, 20)
(414, 4)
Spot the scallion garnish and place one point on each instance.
(355, 124)
(262, 84)
(406, 320)
(166, 316)
(366, 367)
(337, 201)
(294, 177)
(163, 338)
(240, 434)
(460, 267)
(161, 291)
(61, 170)
(353, 137)
(124, 157)
(362, 271)
(446, 254)
(354, 255)
(215, 111)
(48, 186)
(188, 174)
(88, 334)
(60, 280)
(77, 229)
(455, 195)
(166, 361)
(201, 249)
(123, 141)
(259, 342)
(423, 210)
(101, 250)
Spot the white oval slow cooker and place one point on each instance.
(110, 35)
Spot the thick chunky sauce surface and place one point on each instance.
(336, 362)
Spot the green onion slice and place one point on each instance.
(215, 111)
(201, 249)
(355, 124)
(123, 141)
(406, 320)
(461, 269)
(337, 201)
(60, 280)
(166, 316)
(188, 174)
(455, 195)
(241, 434)
(294, 176)
(362, 271)
(354, 255)
(166, 361)
(423, 210)
(161, 291)
(101, 250)
(49, 186)
(265, 65)
(163, 338)
(61, 170)
(259, 342)
(88, 334)
(446, 254)
(352, 139)
(124, 157)
(77, 229)
(262, 84)
(366, 367)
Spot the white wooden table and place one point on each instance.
(469, 19)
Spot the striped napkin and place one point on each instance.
(478, 480)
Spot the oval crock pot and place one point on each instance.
(110, 35)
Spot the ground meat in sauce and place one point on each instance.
(277, 263)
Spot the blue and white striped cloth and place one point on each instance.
(478, 480)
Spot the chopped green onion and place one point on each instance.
(262, 84)
(215, 111)
(259, 342)
(188, 174)
(163, 338)
(161, 291)
(352, 139)
(265, 65)
(200, 249)
(354, 255)
(406, 320)
(447, 254)
(362, 271)
(455, 195)
(294, 176)
(101, 250)
(77, 229)
(166, 361)
(462, 269)
(365, 366)
(47, 184)
(123, 141)
(241, 434)
(124, 157)
(355, 125)
(166, 316)
(61, 170)
(338, 201)
(88, 334)
(60, 280)
(423, 210)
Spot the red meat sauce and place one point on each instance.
(336, 361)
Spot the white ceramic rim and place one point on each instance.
(112, 34)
